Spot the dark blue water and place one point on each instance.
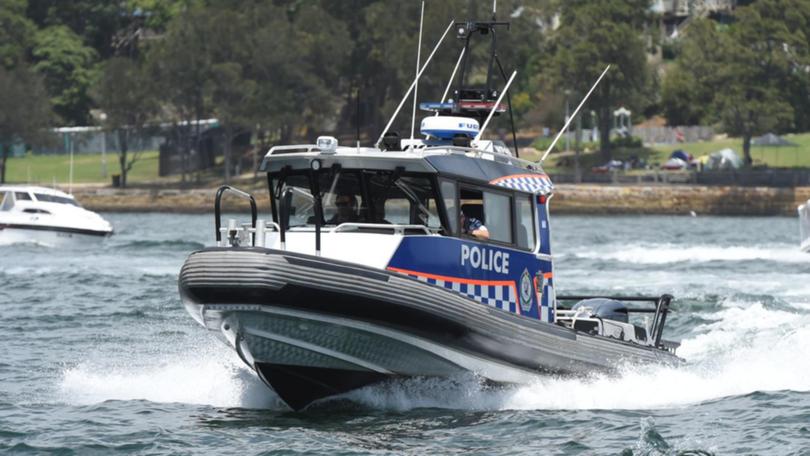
(98, 356)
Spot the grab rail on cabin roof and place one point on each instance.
(293, 148)
(397, 229)
(420, 153)
(459, 150)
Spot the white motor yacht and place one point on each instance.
(39, 215)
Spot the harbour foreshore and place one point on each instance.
(568, 199)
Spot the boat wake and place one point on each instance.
(745, 348)
(215, 378)
(674, 253)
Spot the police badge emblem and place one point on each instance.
(526, 291)
(540, 281)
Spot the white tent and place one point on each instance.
(724, 159)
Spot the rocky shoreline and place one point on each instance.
(568, 199)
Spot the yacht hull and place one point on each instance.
(313, 327)
(50, 236)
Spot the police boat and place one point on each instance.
(413, 258)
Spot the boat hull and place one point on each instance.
(49, 236)
(313, 327)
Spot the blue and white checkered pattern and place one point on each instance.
(539, 183)
(500, 296)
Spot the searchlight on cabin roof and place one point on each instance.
(327, 144)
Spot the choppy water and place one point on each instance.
(99, 356)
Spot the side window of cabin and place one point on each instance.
(525, 222)
(22, 196)
(54, 199)
(498, 210)
(448, 189)
(493, 210)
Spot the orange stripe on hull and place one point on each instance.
(508, 283)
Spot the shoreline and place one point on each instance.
(582, 199)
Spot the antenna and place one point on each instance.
(452, 76)
(570, 118)
(495, 106)
(413, 84)
(357, 113)
(70, 178)
(418, 57)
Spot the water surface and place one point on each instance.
(99, 356)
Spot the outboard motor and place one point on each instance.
(604, 308)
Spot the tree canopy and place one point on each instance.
(592, 35)
(289, 69)
(68, 67)
(24, 112)
(751, 76)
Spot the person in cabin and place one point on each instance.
(473, 227)
(346, 205)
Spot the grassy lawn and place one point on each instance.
(773, 157)
(43, 169)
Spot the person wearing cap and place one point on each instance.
(473, 227)
(346, 205)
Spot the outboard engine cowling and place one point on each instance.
(604, 308)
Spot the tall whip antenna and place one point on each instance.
(418, 58)
(495, 106)
(570, 118)
(452, 76)
(418, 75)
(70, 178)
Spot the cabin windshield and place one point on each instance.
(360, 196)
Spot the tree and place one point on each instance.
(591, 35)
(95, 22)
(67, 66)
(126, 95)
(16, 32)
(158, 13)
(690, 86)
(751, 77)
(231, 97)
(181, 64)
(233, 89)
(297, 69)
(765, 48)
(25, 113)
